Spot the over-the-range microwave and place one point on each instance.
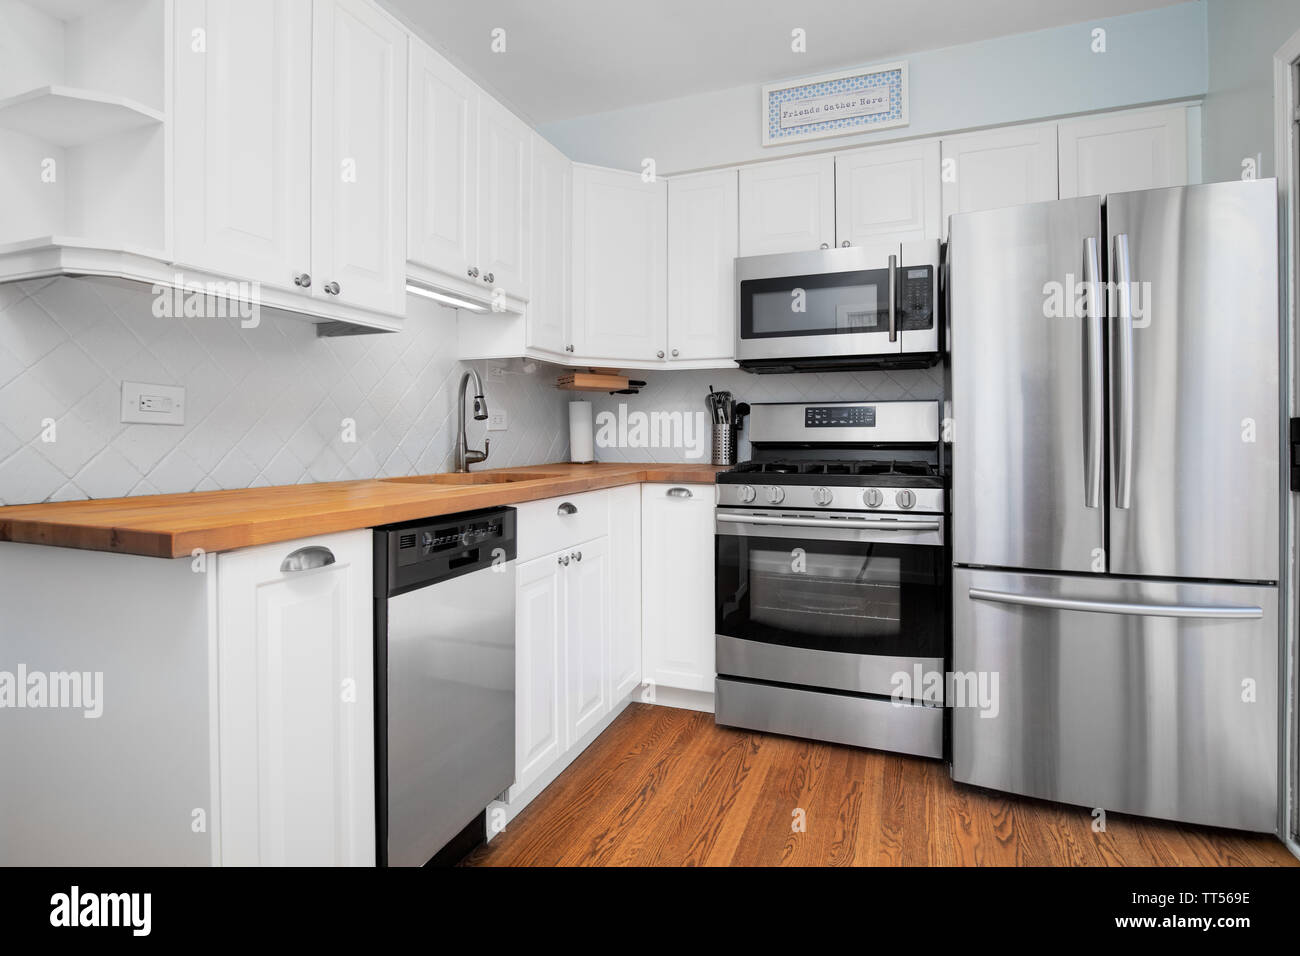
(870, 306)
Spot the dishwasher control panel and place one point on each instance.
(421, 551)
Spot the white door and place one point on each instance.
(677, 585)
(703, 241)
(552, 200)
(359, 156)
(1120, 152)
(585, 572)
(505, 175)
(242, 119)
(442, 183)
(620, 267)
(887, 192)
(296, 704)
(787, 206)
(1000, 167)
(625, 590)
(539, 614)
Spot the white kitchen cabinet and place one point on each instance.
(787, 206)
(620, 271)
(242, 134)
(1118, 152)
(585, 570)
(888, 193)
(999, 167)
(296, 704)
(677, 585)
(552, 215)
(703, 241)
(359, 128)
(624, 590)
(539, 617)
(504, 181)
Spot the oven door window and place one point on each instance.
(835, 303)
(853, 597)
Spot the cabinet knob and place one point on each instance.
(676, 353)
(826, 245)
(472, 272)
(844, 244)
(332, 288)
(563, 559)
(302, 280)
(489, 278)
(306, 559)
(568, 348)
(660, 353)
(577, 556)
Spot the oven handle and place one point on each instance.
(830, 524)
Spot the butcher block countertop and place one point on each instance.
(172, 526)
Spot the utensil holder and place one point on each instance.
(724, 445)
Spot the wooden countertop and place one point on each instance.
(172, 526)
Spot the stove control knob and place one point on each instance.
(905, 498)
(822, 496)
(775, 495)
(746, 494)
(873, 498)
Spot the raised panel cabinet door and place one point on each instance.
(677, 585)
(586, 636)
(703, 240)
(442, 170)
(1001, 167)
(296, 704)
(504, 186)
(1123, 152)
(888, 192)
(620, 265)
(242, 120)
(547, 315)
(625, 590)
(359, 156)
(538, 701)
(787, 206)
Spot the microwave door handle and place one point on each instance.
(1094, 379)
(1123, 398)
(893, 285)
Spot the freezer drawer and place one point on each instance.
(1105, 700)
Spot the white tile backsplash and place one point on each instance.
(263, 405)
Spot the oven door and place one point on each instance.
(834, 600)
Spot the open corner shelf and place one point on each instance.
(65, 116)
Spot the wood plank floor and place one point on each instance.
(667, 787)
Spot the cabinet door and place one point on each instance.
(505, 174)
(538, 618)
(359, 156)
(620, 269)
(586, 637)
(1001, 167)
(1123, 152)
(887, 192)
(703, 240)
(242, 170)
(677, 585)
(552, 201)
(788, 206)
(442, 183)
(625, 590)
(296, 704)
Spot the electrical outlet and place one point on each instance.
(498, 421)
(155, 404)
(496, 370)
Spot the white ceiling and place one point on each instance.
(567, 58)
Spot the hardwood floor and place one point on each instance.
(667, 787)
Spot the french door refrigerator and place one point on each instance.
(1116, 496)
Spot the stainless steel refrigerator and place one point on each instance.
(1116, 496)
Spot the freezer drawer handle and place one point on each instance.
(1231, 611)
(307, 559)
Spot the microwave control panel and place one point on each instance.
(916, 298)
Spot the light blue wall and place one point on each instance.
(1151, 57)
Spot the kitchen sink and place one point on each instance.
(473, 478)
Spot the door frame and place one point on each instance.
(1286, 146)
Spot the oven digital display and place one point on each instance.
(827, 416)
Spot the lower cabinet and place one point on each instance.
(539, 613)
(585, 629)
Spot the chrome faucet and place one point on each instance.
(466, 456)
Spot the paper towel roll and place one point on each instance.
(581, 442)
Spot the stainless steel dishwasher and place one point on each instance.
(445, 682)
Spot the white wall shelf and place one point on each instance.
(66, 117)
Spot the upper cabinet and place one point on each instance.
(703, 240)
(505, 173)
(1000, 167)
(620, 273)
(552, 215)
(787, 206)
(887, 192)
(1119, 152)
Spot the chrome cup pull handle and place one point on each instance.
(566, 509)
(679, 493)
(307, 559)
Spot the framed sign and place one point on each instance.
(855, 101)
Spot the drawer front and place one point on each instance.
(554, 523)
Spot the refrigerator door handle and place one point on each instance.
(1229, 611)
(893, 285)
(1094, 382)
(1123, 400)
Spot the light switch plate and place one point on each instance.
(155, 404)
(498, 421)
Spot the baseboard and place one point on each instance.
(701, 700)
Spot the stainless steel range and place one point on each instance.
(832, 588)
